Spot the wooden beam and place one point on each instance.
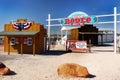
(21, 45)
(101, 39)
(82, 36)
(8, 45)
(90, 33)
(89, 46)
(34, 45)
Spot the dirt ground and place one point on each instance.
(101, 65)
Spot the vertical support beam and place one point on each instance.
(82, 36)
(66, 33)
(49, 31)
(61, 36)
(44, 44)
(66, 36)
(101, 39)
(106, 37)
(89, 46)
(21, 45)
(49, 25)
(115, 28)
(8, 45)
(33, 45)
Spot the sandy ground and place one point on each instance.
(102, 65)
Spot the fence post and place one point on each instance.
(115, 29)
(45, 44)
(89, 46)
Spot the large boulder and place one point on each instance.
(3, 69)
(2, 65)
(72, 70)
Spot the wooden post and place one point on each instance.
(34, 45)
(101, 39)
(119, 49)
(49, 43)
(8, 45)
(106, 36)
(66, 46)
(44, 44)
(89, 46)
(115, 29)
(21, 46)
(82, 36)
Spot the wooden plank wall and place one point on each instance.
(39, 43)
(74, 34)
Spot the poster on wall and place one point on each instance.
(12, 41)
(29, 41)
(21, 26)
(25, 40)
(16, 40)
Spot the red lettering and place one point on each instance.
(82, 20)
(77, 20)
(67, 21)
(72, 20)
(88, 19)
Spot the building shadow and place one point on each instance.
(105, 45)
(102, 50)
(91, 76)
(8, 57)
(55, 52)
(12, 73)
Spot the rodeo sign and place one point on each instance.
(79, 19)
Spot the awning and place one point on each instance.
(106, 29)
(91, 33)
(18, 33)
(67, 28)
(98, 33)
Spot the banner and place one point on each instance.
(21, 26)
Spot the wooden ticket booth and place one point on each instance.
(23, 37)
(86, 32)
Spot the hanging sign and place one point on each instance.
(79, 19)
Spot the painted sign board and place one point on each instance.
(76, 45)
(79, 19)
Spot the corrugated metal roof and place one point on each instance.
(67, 28)
(18, 33)
(91, 33)
(106, 29)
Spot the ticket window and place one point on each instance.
(17, 40)
(12, 41)
(25, 40)
(29, 41)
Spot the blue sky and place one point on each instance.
(38, 10)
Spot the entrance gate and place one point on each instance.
(115, 15)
